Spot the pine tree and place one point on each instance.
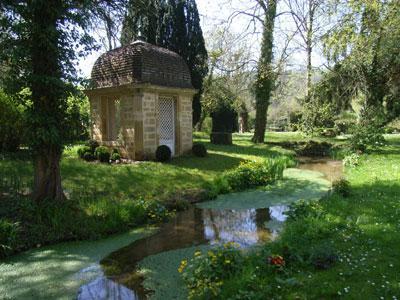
(141, 21)
(175, 25)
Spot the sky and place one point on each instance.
(215, 15)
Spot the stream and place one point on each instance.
(194, 227)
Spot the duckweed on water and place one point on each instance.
(57, 272)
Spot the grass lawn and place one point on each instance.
(106, 199)
(148, 179)
(337, 247)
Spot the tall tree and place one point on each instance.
(175, 25)
(41, 39)
(265, 75)
(310, 18)
(107, 22)
(365, 44)
(142, 21)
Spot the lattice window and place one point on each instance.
(167, 116)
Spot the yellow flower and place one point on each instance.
(197, 253)
(227, 261)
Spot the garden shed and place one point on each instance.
(140, 98)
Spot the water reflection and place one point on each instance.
(245, 227)
(106, 289)
(195, 227)
(189, 228)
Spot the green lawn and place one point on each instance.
(360, 233)
(106, 199)
(148, 179)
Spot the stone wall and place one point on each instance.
(127, 148)
(139, 123)
(95, 111)
(150, 137)
(185, 124)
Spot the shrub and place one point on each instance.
(199, 150)
(155, 211)
(102, 154)
(313, 148)
(82, 150)
(369, 132)
(88, 156)
(12, 123)
(303, 209)
(163, 153)
(251, 174)
(351, 160)
(93, 144)
(115, 156)
(344, 126)
(323, 256)
(8, 237)
(342, 187)
(205, 272)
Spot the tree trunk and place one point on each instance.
(199, 126)
(265, 76)
(244, 122)
(309, 46)
(47, 118)
(47, 180)
(260, 122)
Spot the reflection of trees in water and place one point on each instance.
(103, 288)
(245, 227)
(277, 212)
(278, 216)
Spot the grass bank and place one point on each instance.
(335, 247)
(107, 199)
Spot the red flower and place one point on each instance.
(276, 260)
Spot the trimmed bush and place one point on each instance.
(88, 156)
(163, 153)
(102, 154)
(221, 138)
(199, 150)
(82, 150)
(93, 144)
(115, 156)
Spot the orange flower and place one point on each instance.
(276, 260)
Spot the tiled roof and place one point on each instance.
(140, 62)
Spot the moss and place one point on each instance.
(54, 272)
(297, 184)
